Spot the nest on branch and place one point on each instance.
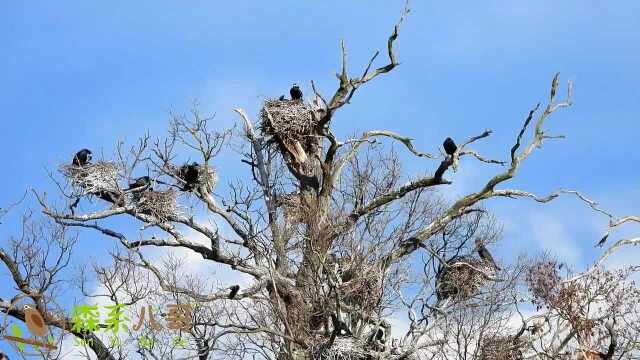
(502, 348)
(291, 125)
(159, 204)
(92, 179)
(348, 348)
(460, 281)
(343, 348)
(362, 286)
(196, 176)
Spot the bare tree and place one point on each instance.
(330, 233)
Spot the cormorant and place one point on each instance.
(603, 240)
(449, 146)
(234, 291)
(189, 173)
(485, 255)
(141, 183)
(296, 93)
(82, 157)
(340, 326)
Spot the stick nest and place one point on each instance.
(291, 125)
(348, 348)
(100, 177)
(343, 348)
(362, 286)
(502, 348)
(159, 204)
(460, 281)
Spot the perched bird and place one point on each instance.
(141, 183)
(296, 93)
(190, 174)
(234, 291)
(282, 98)
(339, 327)
(82, 157)
(485, 255)
(603, 240)
(449, 146)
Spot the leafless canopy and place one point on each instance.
(328, 241)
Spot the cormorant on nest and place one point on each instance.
(189, 173)
(295, 92)
(82, 157)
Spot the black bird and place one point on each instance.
(340, 326)
(603, 240)
(234, 291)
(449, 146)
(141, 183)
(82, 157)
(189, 173)
(485, 255)
(282, 98)
(296, 93)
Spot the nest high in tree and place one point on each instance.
(460, 281)
(204, 180)
(502, 348)
(292, 126)
(99, 179)
(159, 204)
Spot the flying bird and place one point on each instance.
(603, 240)
(82, 157)
(296, 93)
(449, 146)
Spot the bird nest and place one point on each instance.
(362, 286)
(459, 280)
(349, 348)
(343, 348)
(100, 177)
(159, 204)
(206, 179)
(291, 124)
(502, 348)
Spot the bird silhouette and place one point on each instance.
(295, 92)
(449, 146)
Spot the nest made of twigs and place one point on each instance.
(459, 280)
(291, 124)
(502, 348)
(343, 348)
(361, 286)
(159, 204)
(96, 178)
(206, 180)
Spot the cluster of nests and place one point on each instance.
(100, 179)
(502, 348)
(290, 124)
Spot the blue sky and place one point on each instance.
(80, 74)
